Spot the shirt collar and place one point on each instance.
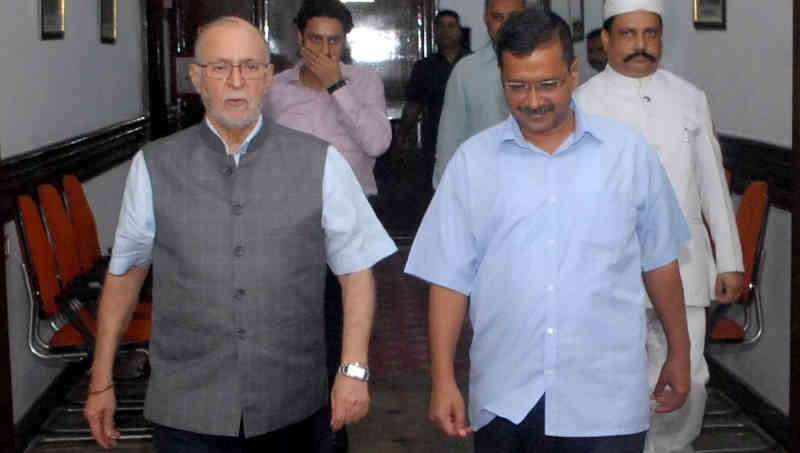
(245, 144)
(584, 126)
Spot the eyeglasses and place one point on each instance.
(544, 86)
(250, 70)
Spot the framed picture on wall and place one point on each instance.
(52, 12)
(576, 19)
(709, 14)
(108, 21)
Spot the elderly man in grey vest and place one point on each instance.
(247, 213)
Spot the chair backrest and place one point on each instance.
(61, 233)
(39, 254)
(751, 221)
(83, 222)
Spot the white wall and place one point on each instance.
(53, 90)
(746, 70)
(50, 91)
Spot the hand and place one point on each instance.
(673, 385)
(448, 411)
(729, 287)
(326, 69)
(99, 412)
(349, 401)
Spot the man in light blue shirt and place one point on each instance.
(473, 99)
(554, 223)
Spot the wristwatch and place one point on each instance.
(354, 370)
(336, 86)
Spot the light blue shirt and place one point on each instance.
(551, 250)
(473, 101)
(354, 237)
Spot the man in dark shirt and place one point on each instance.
(425, 91)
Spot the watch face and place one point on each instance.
(356, 371)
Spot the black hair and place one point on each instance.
(324, 8)
(594, 34)
(527, 30)
(610, 21)
(446, 13)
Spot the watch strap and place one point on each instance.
(336, 86)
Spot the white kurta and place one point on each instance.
(674, 117)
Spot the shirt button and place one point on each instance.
(227, 170)
(551, 331)
(238, 251)
(549, 372)
(551, 288)
(241, 333)
(551, 242)
(238, 209)
(240, 293)
(552, 199)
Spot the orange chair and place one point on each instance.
(80, 212)
(63, 236)
(60, 326)
(751, 220)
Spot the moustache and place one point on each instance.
(641, 53)
(536, 110)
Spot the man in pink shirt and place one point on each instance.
(339, 103)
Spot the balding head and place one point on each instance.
(231, 72)
(226, 21)
(496, 12)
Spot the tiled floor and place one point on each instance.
(400, 385)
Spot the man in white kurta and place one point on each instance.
(674, 117)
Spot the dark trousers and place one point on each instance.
(503, 436)
(306, 436)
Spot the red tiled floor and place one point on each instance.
(400, 333)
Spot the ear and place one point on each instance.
(575, 68)
(299, 38)
(605, 37)
(196, 76)
(268, 74)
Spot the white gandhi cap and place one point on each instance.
(615, 7)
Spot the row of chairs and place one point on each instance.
(64, 267)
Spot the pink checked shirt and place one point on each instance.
(353, 119)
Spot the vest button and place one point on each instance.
(239, 294)
(238, 251)
(241, 333)
(238, 209)
(227, 171)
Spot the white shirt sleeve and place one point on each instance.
(136, 229)
(354, 237)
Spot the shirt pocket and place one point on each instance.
(609, 226)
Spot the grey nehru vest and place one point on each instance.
(239, 267)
